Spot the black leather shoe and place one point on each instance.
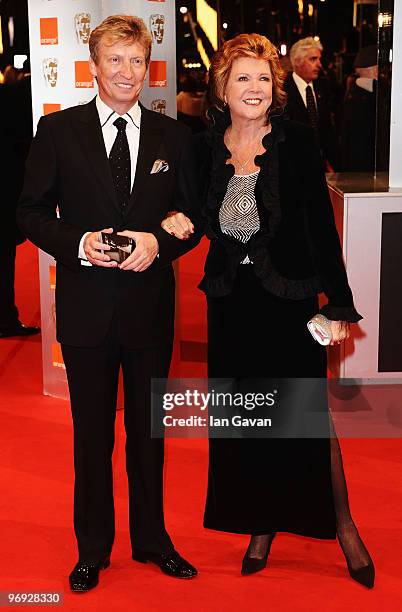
(170, 563)
(19, 330)
(85, 576)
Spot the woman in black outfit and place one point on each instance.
(254, 183)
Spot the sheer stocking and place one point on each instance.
(259, 545)
(351, 543)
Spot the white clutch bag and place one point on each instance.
(320, 328)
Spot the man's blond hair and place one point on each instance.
(121, 28)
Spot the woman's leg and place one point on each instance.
(259, 545)
(356, 553)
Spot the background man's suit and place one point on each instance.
(108, 316)
(15, 139)
(296, 109)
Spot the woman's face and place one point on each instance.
(249, 88)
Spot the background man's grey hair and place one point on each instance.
(301, 47)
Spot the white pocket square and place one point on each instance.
(160, 165)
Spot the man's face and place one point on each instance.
(120, 71)
(310, 66)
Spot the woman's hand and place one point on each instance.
(177, 224)
(340, 331)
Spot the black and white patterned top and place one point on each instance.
(238, 215)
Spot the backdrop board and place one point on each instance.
(59, 35)
(369, 221)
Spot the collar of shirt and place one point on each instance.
(108, 115)
(302, 86)
(109, 131)
(365, 83)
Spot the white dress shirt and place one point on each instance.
(302, 86)
(109, 132)
(365, 83)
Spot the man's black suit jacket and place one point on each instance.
(68, 167)
(358, 130)
(296, 110)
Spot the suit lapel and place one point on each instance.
(299, 99)
(150, 139)
(91, 139)
(319, 101)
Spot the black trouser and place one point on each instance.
(93, 379)
(8, 309)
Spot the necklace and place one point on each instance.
(242, 165)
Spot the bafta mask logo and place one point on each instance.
(82, 27)
(50, 70)
(157, 27)
(159, 106)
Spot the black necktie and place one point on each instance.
(120, 163)
(311, 109)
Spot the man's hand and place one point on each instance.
(93, 247)
(340, 331)
(146, 249)
(177, 224)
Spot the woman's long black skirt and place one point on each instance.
(256, 486)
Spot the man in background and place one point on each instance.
(308, 100)
(359, 117)
(15, 138)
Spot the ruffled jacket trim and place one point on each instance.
(268, 203)
(269, 210)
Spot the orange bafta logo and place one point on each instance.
(57, 357)
(49, 34)
(157, 74)
(51, 108)
(83, 76)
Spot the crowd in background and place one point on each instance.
(342, 114)
(346, 109)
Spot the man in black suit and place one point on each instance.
(308, 101)
(359, 114)
(15, 139)
(111, 165)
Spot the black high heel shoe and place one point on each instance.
(364, 575)
(251, 565)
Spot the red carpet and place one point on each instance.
(38, 547)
